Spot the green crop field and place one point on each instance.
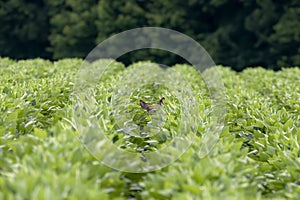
(257, 155)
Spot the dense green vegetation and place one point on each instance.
(235, 33)
(256, 157)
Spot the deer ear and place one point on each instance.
(143, 104)
(161, 101)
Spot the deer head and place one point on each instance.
(151, 107)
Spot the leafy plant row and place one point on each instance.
(257, 155)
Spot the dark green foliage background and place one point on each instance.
(235, 33)
(256, 157)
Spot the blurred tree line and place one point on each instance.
(238, 33)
